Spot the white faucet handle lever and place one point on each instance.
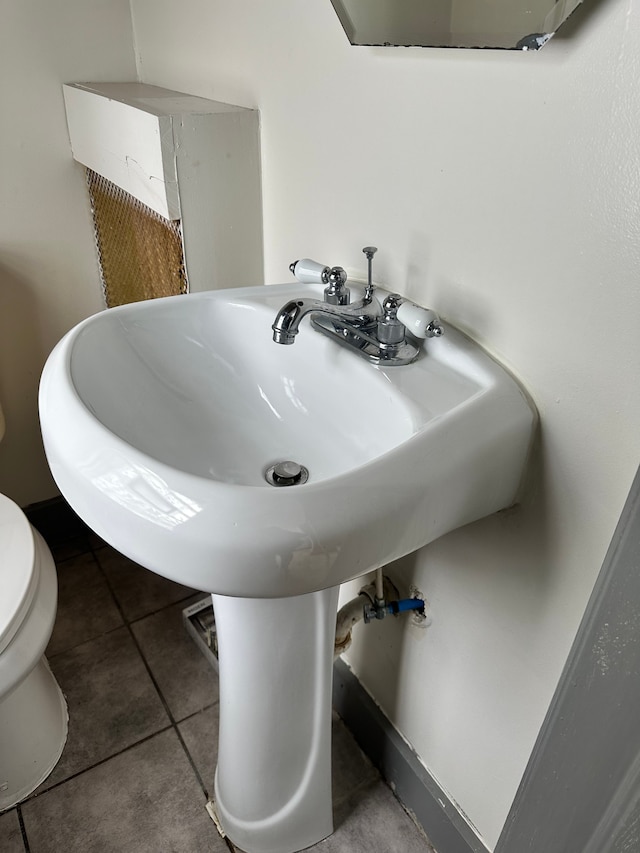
(308, 271)
(421, 322)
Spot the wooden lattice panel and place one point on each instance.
(140, 252)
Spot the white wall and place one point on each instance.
(504, 190)
(48, 272)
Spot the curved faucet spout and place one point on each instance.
(359, 315)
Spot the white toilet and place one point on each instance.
(33, 711)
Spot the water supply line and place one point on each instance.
(379, 587)
(374, 601)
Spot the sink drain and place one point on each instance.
(286, 473)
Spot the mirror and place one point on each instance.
(507, 24)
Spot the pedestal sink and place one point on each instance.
(160, 420)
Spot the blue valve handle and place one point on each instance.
(379, 611)
(395, 607)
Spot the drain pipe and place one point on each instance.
(372, 602)
(348, 617)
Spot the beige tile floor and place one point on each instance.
(143, 703)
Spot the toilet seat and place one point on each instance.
(19, 569)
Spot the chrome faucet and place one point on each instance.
(376, 332)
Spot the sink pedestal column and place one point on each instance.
(273, 780)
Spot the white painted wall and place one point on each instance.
(504, 190)
(48, 271)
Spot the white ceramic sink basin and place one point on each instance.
(160, 419)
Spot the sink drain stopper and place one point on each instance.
(286, 473)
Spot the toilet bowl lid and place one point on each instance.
(18, 575)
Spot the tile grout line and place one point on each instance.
(128, 623)
(92, 551)
(165, 704)
(124, 624)
(68, 649)
(23, 829)
(34, 796)
(173, 723)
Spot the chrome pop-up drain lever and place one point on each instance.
(369, 252)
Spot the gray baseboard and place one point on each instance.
(399, 765)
